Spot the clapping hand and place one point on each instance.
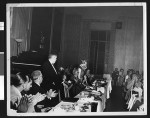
(34, 99)
(23, 105)
(30, 98)
(51, 93)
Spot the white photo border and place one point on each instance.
(143, 4)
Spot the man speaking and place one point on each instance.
(51, 79)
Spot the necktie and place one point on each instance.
(54, 68)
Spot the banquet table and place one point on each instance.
(77, 106)
(83, 96)
(84, 100)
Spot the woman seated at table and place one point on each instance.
(19, 102)
(137, 90)
(129, 85)
(90, 77)
(64, 76)
(82, 69)
(77, 83)
(128, 76)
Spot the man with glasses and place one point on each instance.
(37, 78)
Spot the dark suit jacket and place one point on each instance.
(35, 89)
(51, 79)
(46, 102)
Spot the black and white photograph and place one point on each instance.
(76, 59)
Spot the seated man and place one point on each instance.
(130, 82)
(23, 103)
(37, 80)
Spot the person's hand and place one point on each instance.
(37, 98)
(15, 102)
(51, 93)
(30, 98)
(40, 97)
(23, 105)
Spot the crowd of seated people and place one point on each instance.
(75, 79)
(20, 101)
(27, 94)
(132, 87)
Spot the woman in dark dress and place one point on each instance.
(77, 83)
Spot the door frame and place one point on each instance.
(98, 47)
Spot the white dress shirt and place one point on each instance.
(15, 95)
(53, 67)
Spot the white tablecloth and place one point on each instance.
(82, 99)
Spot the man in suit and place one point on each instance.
(115, 75)
(37, 78)
(51, 79)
